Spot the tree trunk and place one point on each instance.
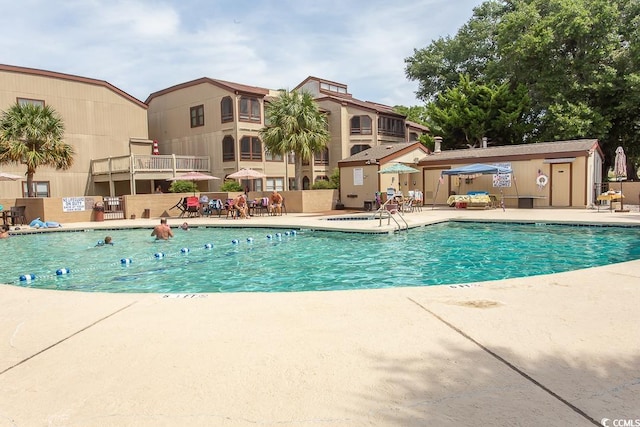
(30, 183)
(298, 180)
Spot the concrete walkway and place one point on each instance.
(556, 350)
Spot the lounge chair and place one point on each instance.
(181, 206)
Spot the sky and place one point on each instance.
(143, 46)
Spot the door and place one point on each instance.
(561, 185)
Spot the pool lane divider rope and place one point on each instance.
(126, 261)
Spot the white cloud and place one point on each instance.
(145, 46)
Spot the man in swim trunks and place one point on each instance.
(162, 231)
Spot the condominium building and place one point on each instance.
(207, 125)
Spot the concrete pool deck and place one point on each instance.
(555, 350)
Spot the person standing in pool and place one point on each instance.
(162, 231)
(4, 232)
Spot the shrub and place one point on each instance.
(322, 185)
(231, 185)
(183, 187)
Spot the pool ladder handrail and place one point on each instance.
(383, 209)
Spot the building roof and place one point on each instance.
(72, 78)
(236, 88)
(367, 105)
(557, 149)
(382, 153)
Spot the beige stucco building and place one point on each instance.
(361, 177)
(222, 120)
(100, 120)
(572, 171)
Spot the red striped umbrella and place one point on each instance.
(155, 150)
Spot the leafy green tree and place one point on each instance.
(579, 61)
(295, 124)
(33, 135)
(467, 113)
(472, 52)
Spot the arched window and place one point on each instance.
(250, 148)
(228, 149)
(360, 125)
(305, 183)
(358, 148)
(226, 107)
(250, 109)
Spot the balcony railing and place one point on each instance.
(137, 163)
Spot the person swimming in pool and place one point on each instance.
(4, 231)
(107, 241)
(162, 231)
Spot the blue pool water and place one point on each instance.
(302, 260)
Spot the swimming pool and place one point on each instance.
(285, 260)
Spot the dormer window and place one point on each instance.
(333, 88)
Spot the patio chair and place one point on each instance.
(17, 215)
(181, 206)
(214, 205)
(192, 207)
(262, 206)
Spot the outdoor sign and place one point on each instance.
(73, 204)
(502, 180)
(358, 176)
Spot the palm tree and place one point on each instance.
(295, 124)
(32, 134)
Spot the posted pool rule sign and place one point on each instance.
(73, 204)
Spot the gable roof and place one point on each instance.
(557, 149)
(382, 153)
(236, 88)
(72, 78)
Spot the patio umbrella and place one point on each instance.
(193, 177)
(620, 171)
(8, 177)
(620, 165)
(246, 174)
(399, 168)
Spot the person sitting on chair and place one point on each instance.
(275, 203)
(240, 205)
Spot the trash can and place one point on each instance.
(368, 205)
(98, 212)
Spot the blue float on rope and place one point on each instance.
(235, 242)
(158, 255)
(208, 246)
(269, 236)
(184, 250)
(294, 232)
(62, 271)
(250, 239)
(126, 261)
(27, 277)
